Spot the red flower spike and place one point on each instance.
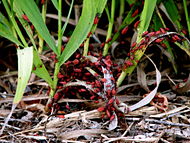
(136, 24)
(101, 109)
(75, 62)
(112, 117)
(108, 113)
(135, 13)
(103, 80)
(111, 101)
(124, 31)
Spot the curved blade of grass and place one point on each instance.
(6, 30)
(40, 70)
(68, 16)
(90, 8)
(24, 23)
(172, 12)
(25, 58)
(30, 8)
(55, 3)
(145, 18)
(25, 61)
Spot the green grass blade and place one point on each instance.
(173, 12)
(68, 16)
(146, 16)
(90, 8)
(25, 61)
(30, 8)
(55, 3)
(6, 30)
(40, 70)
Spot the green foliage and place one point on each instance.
(90, 9)
(7, 31)
(30, 8)
(25, 61)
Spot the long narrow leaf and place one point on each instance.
(6, 30)
(25, 61)
(40, 70)
(90, 9)
(30, 8)
(146, 16)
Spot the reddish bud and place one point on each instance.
(107, 41)
(67, 106)
(77, 70)
(61, 116)
(100, 109)
(103, 80)
(136, 24)
(134, 44)
(96, 20)
(96, 101)
(102, 45)
(128, 63)
(111, 101)
(82, 90)
(135, 13)
(92, 97)
(75, 62)
(25, 18)
(60, 75)
(112, 117)
(108, 113)
(124, 31)
(89, 34)
(34, 68)
(145, 33)
(162, 30)
(63, 82)
(159, 40)
(56, 96)
(151, 34)
(113, 92)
